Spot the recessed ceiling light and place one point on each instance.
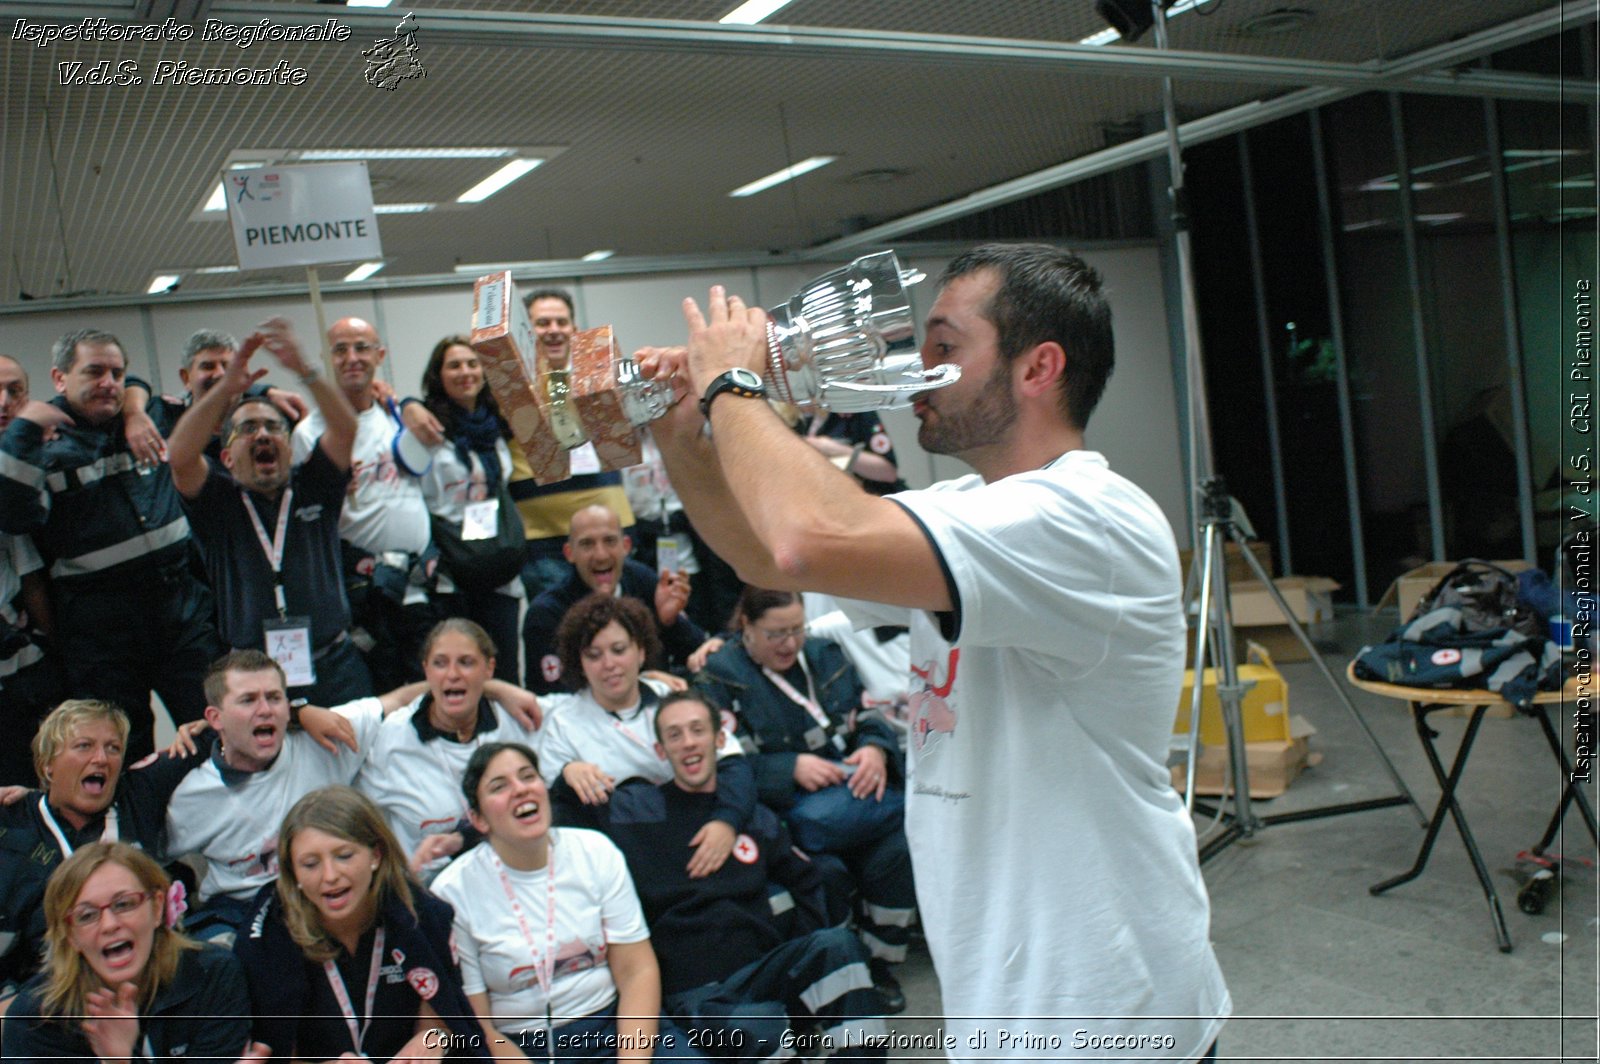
(599, 256)
(752, 11)
(788, 173)
(498, 180)
(161, 282)
(362, 272)
(1272, 23)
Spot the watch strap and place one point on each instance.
(729, 381)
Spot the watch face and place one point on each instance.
(745, 378)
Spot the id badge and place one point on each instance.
(815, 739)
(289, 644)
(480, 520)
(583, 460)
(668, 559)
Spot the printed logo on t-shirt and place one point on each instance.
(550, 668)
(309, 513)
(932, 716)
(572, 957)
(424, 982)
(745, 850)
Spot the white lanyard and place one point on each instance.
(616, 722)
(109, 834)
(358, 1032)
(807, 701)
(273, 549)
(543, 968)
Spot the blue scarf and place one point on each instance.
(477, 432)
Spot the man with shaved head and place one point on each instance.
(384, 528)
(597, 560)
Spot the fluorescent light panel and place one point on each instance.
(216, 269)
(321, 155)
(498, 180)
(402, 208)
(161, 282)
(599, 256)
(788, 173)
(362, 272)
(752, 11)
(367, 3)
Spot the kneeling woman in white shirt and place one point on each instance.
(555, 953)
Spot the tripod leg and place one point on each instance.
(1300, 633)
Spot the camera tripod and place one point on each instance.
(1214, 631)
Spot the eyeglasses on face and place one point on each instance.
(87, 915)
(778, 635)
(271, 426)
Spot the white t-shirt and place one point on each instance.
(383, 508)
(232, 818)
(577, 728)
(595, 905)
(418, 784)
(1057, 875)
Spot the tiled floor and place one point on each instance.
(1319, 969)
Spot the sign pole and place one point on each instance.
(314, 284)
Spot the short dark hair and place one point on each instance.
(756, 601)
(478, 764)
(550, 293)
(1048, 293)
(691, 695)
(216, 681)
(206, 340)
(593, 612)
(64, 352)
(239, 404)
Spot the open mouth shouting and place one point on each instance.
(118, 955)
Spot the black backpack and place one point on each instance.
(1487, 597)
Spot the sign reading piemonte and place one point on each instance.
(302, 215)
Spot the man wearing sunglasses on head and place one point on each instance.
(271, 533)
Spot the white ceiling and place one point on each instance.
(660, 112)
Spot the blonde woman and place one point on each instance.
(120, 982)
(344, 954)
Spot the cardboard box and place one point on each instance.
(1273, 766)
(1310, 599)
(1264, 710)
(1410, 586)
(505, 341)
(1233, 563)
(1278, 640)
(594, 391)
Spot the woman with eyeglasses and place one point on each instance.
(834, 775)
(555, 953)
(462, 489)
(86, 797)
(121, 983)
(347, 956)
(605, 733)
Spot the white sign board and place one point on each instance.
(302, 215)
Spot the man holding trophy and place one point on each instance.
(1056, 869)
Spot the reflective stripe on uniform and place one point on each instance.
(145, 543)
(99, 469)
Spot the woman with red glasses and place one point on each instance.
(121, 983)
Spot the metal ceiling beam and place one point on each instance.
(1220, 124)
(500, 29)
